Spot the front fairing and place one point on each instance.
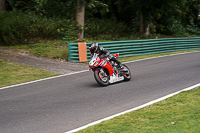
(105, 63)
(97, 62)
(94, 62)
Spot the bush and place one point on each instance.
(192, 30)
(105, 29)
(13, 27)
(175, 27)
(69, 32)
(20, 27)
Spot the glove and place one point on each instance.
(101, 56)
(110, 56)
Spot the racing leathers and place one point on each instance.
(106, 53)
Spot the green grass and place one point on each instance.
(50, 49)
(178, 114)
(13, 73)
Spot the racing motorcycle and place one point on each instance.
(107, 72)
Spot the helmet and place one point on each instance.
(93, 47)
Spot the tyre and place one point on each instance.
(127, 73)
(101, 77)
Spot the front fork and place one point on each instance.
(103, 72)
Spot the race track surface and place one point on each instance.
(61, 104)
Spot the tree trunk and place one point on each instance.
(144, 24)
(80, 18)
(141, 24)
(2, 5)
(147, 33)
(196, 18)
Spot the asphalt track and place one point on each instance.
(64, 103)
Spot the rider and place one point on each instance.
(95, 48)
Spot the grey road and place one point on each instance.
(62, 104)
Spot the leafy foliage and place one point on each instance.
(106, 19)
(18, 27)
(107, 28)
(48, 8)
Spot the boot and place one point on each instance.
(121, 66)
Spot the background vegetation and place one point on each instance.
(30, 21)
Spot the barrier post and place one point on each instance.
(82, 50)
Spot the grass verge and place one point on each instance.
(13, 73)
(50, 49)
(178, 114)
(56, 49)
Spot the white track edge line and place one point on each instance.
(43, 79)
(88, 70)
(136, 108)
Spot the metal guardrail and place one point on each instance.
(139, 47)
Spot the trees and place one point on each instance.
(95, 7)
(2, 5)
(131, 17)
(193, 11)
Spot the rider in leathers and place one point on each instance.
(95, 48)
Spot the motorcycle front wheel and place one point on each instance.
(127, 73)
(101, 77)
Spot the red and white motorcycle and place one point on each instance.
(107, 72)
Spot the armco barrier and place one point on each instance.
(136, 47)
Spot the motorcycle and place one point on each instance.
(107, 72)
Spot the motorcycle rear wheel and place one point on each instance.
(101, 77)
